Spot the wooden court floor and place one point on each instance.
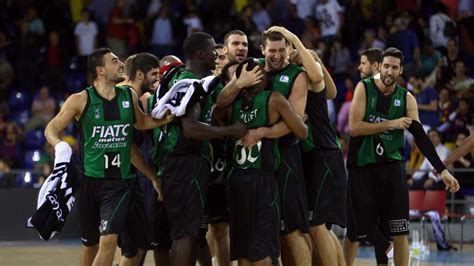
(67, 253)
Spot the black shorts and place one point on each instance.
(291, 189)
(217, 207)
(254, 230)
(103, 206)
(377, 192)
(160, 228)
(137, 232)
(204, 227)
(326, 186)
(184, 185)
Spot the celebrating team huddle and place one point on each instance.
(243, 152)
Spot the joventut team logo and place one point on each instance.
(284, 78)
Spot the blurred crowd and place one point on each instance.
(44, 46)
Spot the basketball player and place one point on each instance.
(106, 114)
(252, 184)
(380, 111)
(185, 169)
(369, 64)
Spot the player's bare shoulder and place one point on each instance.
(277, 98)
(76, 102)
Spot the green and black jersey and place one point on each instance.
(206, 117)
(385, 146)
(174, 140)
(214, 150)
(282, 80)
(106, 128)
(254, 114)
(157, 150)
(321, 134)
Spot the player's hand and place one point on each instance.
(401, 123)
(428, 183)
(238, 129)
(157, 186)
(252, 137)
(248, 78)
(295, 58)
(167, 119)
(450, 181)
(286, 33)
(304, 118)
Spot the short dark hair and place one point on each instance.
(94, 60)
(219, 46)
(373, 55)
(141, 61)
(224, 73)
(251, 64)
(394, 52)
(272, 36)
(195, 42)
(233, 32)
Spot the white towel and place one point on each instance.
(183, 93)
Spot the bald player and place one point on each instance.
(169, 60)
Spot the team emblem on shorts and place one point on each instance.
(103, 226)
(282, 225)
(397, 226)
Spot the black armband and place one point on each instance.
(426, 146)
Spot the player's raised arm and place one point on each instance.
(313, 68)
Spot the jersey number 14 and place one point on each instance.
(115, 162)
